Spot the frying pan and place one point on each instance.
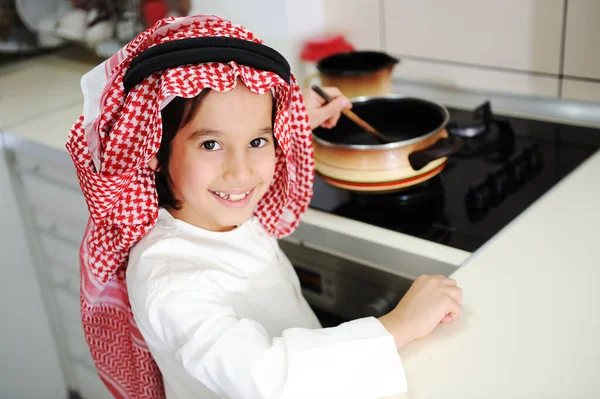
(350, 158)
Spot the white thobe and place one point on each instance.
(224, 316)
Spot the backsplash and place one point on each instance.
(544, 48)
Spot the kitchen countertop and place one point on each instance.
(531, 312)
(46, 86)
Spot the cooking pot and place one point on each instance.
(350, 158)
(357, 73)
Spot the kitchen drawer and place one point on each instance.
(68, 304)
(60, 251)
(48, 222)
(47, 165)
(64, 279)
(90, 385)
(44, 194)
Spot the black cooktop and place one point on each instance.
(505, 165)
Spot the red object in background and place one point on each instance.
(155, 10)
(318, 48)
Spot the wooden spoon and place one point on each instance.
(352, 116)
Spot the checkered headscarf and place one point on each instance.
(111, 144)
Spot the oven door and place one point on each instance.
(340, 290)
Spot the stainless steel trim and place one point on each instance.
(349, 290)
(377, 248)
(572, 112)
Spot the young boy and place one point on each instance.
(195, 156)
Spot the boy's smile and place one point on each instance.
(235, 198)
(222, 162)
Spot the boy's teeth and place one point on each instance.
(236, 197)
(231, 197)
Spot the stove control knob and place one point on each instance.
(519, 169)
(499, 182)
(533, 157)
(478, 198)
(381, 305)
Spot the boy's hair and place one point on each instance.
(179, 112)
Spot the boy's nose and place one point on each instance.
(238, 168)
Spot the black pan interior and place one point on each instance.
(399, 119)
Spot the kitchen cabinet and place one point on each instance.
(575, 89)
(582, 58)
(494, 45)
(544, 48)
(31, 364)
(523, 35)
(54, 214)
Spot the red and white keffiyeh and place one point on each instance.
(111, 144)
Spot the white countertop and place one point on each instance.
(531, 321)
(38, 89)
(531, 317)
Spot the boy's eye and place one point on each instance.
(211, 145)
(258, 142)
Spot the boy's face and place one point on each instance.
(222, 162)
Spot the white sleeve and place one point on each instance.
(236, 358)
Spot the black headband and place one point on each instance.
(199, 50)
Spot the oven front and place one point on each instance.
(340, 290)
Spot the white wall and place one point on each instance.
(29, 362)
(282, 24)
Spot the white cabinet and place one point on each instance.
(582, 44)
(545, 48)
(30, 360)
(493, 45)
(520, 35)
(582, 55)
(54, 214)
(582, 90)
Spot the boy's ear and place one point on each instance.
(153, 164)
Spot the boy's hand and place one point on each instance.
(429, 301)
(328, 115)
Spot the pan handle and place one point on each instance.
(442, 148)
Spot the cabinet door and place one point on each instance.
(581, 90)
(582, 55)
(31, 366)
(523, 35)
(582, 58)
